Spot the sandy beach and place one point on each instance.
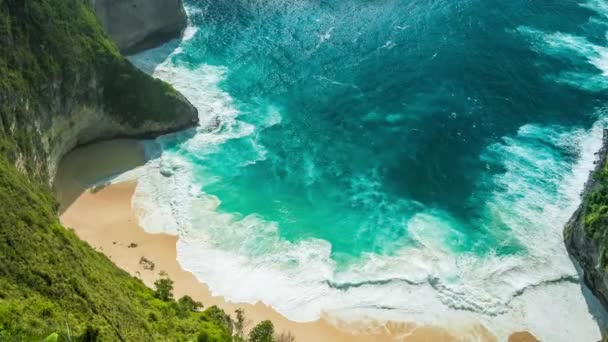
(104, 218)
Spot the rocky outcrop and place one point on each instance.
(64, 122)
(136, 25)
(64, 83)
(583, 247)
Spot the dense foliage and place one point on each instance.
(54, 56)
(596, 212)
(51, 282)
(54, 287)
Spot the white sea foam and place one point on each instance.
(388, 45)
(246, 260)
(599, 6)
(325, 36)
(570, 46)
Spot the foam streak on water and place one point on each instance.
(267, 209)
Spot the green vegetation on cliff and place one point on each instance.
(596, 212)
(54, 59)
(54, 56)
(51, 282)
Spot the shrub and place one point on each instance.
(189, 304)
(263, 332)
(163, 288)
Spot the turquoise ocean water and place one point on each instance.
(395, 158)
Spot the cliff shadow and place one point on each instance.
(594, 305)
(89, 167)
(149, 60)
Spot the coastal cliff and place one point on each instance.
(586, 233)
(136, 25)
(64, 83)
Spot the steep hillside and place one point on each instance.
(63, 83)
(586, 234)
(51, 282)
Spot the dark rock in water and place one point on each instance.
(215, 125)
(166, 172)
(136, 25)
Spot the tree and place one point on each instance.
(187, 304)
(239, 325)
(163, 287)
(263, 332)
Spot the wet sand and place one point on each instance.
(103, 217)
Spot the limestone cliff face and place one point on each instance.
(581, 246)
(140, 24)
(64, 83)
(63, 122)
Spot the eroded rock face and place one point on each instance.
(58, 95)
(137, 25)
(66, 121)
(581, 246)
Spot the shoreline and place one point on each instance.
(103, 217)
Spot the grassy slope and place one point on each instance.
(50, 281)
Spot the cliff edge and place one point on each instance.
(64, 83)
(586, 233)
(137, 25)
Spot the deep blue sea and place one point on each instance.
(411, 159)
